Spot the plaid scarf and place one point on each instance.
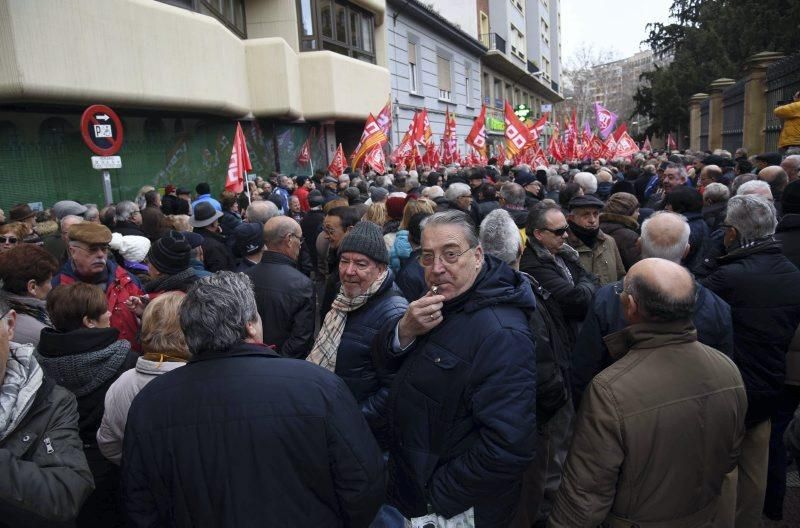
(330, 335)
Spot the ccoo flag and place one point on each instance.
(606, 120)
(477, 134)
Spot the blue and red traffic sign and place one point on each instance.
(101, 130)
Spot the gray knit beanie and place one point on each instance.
(366, 238)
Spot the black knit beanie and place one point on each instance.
(170, 253)
(366, 238)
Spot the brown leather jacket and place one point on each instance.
(655, 434)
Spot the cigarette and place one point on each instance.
(435, 289)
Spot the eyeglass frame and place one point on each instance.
(7, 239)
(298, 237)
(92, 249)
(441, 258)
(563, 230)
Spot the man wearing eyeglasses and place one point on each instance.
(284, 296)
(88, 262)
(46, 477)
(556, 265)
(462, 405)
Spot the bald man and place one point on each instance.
(284, 296)
(659, 429)
(777, 179)
(665, 235)
(790, 166)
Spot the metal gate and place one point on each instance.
(733, 116)
(704, 125)
(783, 80)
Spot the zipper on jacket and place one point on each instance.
(49, 445)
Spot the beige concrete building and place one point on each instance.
(275, 63)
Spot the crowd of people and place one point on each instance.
(611, 343)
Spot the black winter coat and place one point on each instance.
(172, 205)
(216, 254)
(463, 404)
(127, 228)
(714, 214)
(245, 438)
(285, 300)
(411, 277)
(763, 289)
(574, 295)
(712, 319)
(312, 227)
(698, 236)
(788, 234)
(357, 361)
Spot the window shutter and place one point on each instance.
(444, 73)
(412, 53)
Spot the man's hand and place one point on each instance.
(422, 316)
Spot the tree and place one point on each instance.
(584, 82)
(709, 39)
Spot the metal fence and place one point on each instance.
(783, 80)
(733, 117)
(704, 125)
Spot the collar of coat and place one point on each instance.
(239, 349)
(567, 252)
(577, 245)
(650, 335)
(623, 220)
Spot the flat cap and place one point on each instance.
(90, 233)
(586, 200)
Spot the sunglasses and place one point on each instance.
(557, 232)
(8, 240)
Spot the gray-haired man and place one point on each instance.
(241, 435)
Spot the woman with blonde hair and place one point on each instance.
(397, 243)
(164, 350)
(376, 213)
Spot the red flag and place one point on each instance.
(626, 146)
(501, 155)
(371, 136)
(432, 156)
(555, 148)
(422, 127)
(477, 134)
(376, 159)
(535, 129)
(609, 147)
(239, 163)
(517, 135)
(305, 152)
(671, 142)
(338, 163)
(384, 118)
(646, 145)
(623, 128)
(596, 147)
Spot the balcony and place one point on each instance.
(493, 41)
(532, 68)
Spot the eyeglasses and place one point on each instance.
(8, 239)
(727, 226)
(361, 265)
(299, 238)
(619, 288)
(450, 256)
(103, 248)
(557, 232)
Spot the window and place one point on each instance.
(336, 26)
(546, 67)
(229, 12)
(443, 70)
(518, 4)
(468, 83)
(498, 93)
(487, 96)
(545, 30)
(413, 68)
(517, 43)
(484, 29)
(509, 94)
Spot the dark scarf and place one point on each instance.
(37, 312)
(81, 360)
(587, 236)
(179, 282)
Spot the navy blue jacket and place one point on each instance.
(357, 364)
(411, 278)
(698, 235)
(463, 404)
(712, 319)
(246, 438)
(763, 289)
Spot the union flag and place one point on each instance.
(239, 163)
(517, 135)
(371, 136)
(477, 134)
(338, 163)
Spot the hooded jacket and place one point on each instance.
(625, 232)
(790, 131)
(243, 437)
(655, 435)
(463, 405)
(763, 289)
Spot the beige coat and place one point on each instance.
(603, 261)
(655, 434)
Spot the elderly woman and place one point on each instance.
(11, 235)
(128, 219)
(83, 355)
(26, 272)
(619, 220)
(164, 350)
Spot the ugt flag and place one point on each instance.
(606, 120)
(239, 163)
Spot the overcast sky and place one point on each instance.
(612, 25)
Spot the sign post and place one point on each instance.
(102, 132)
